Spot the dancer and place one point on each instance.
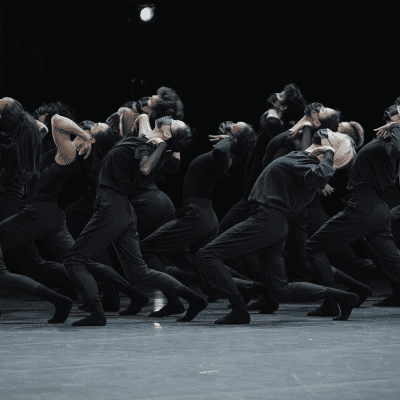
(285, 186)
(197, 223)
(44, 114)
(20, 158)
(375, 169)
(285, 107)
(114, 221)
(41, 218)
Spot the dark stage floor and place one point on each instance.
(286, 355)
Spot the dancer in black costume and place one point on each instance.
(41, 218)
(197, 223)
(114, 221)
(20, 158)
(287, 185)
(375, 169)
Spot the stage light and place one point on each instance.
(147, 13)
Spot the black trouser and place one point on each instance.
(196, 224)
(77, 216)
(154, 209)
(395, 217)
(39, 220)
(264, 232)
(114, 221)
(343, 258)
(27, 256)
(352, 224)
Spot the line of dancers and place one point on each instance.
(277, 230)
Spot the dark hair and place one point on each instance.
(295, 103)
(170, 105)
(128, 104)
(331, 122)
(397, 101)
(21, 151)
(113, 122)
(51, 109)
(181, 139)
(105, 140)
(246, 139)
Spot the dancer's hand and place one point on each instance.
(383, 131)
(42, 128)
(327, 191)
(297, 129)
(321, 150)
(216, 138)
(85, 147)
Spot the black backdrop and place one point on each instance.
(223, 58)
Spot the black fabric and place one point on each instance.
(264, 232)
(53, 178)
(114, 222)
(12, 186)
(119, 169)
(375, 169)
(206, 170)
(27, 255)
(352, 224)
(280, 146)
(290, 182)
(254, 166)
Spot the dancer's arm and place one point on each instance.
(42, 129)
(62, 128)
(392, 144)
(221, 151)
(148, 164)
(128, 120)
(317, 175)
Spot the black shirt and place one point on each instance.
(119, 170)
(206, 170)
(53, 178)
(254, 167)
(12, 185)
(290, 182)
(374, 171)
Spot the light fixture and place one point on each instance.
(146, 12)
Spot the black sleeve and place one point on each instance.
(392, 144)
(148, 164)
(221, 151)
(273, 146)
(316, 175)
(171, 164)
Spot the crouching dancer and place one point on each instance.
(286, 185)
(375, 169)
(115, 221)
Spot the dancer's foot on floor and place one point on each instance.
(176, 307)
(63, 308)
(91, 320)
(327, 309)
(390, 301)
(269, 307)
(363, 293)
(235, 317)
(346, 307)
(195, 307)
(136, 305)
